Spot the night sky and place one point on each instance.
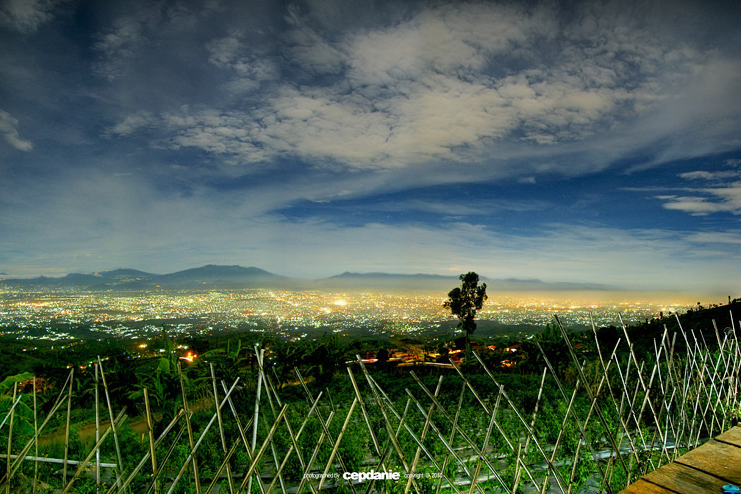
(567, 141)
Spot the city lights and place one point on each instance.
(290, 314)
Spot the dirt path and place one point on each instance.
(87, 431)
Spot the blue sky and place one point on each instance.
(568, 141)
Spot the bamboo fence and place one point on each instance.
(639, 415)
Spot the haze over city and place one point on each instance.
(579, 142)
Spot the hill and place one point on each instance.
(240, 277)
(209, 276)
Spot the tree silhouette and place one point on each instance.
(465, 301)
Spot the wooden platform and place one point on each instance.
(702, 470)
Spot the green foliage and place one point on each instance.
(465, 301)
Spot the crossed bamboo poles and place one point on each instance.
(641, 414)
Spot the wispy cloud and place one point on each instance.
(9, 130)
(722, 195)
(452, 83)
(26, 16)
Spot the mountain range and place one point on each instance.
(239, 277)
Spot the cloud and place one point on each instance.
(723, 196)
(124, 221)
(26, 16)
(132, 123)
(710, 176)
(127, 47)
(695, 205)
(248, 70)
(9, 130)
(731, 237)
(458, 84)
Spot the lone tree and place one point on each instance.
(465, 301)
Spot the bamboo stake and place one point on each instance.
(492, 420)
(150, 454)
(258, 356)
(163, 462)
(272, 389)
(337, 444)
(66, 432)
(115, 434)
(387, 450)
(518, 470)
(268, 387)
(9, 474)
(191, 440)
(53, 460)
(260, 453)
(9, 413)
(490, 413)
(97, 433)
(420, 444)
(389, 428)
(36, 443)
(371, 431)
(558, 439)
(5, 480)
(314, 454)
(446, 444)
(10, 435)
(422, 436)
(640, 377)
(243, 435)
(192, 456)
(227, 459)
(446, 459)
(221, 429)
(294, 446)
(522, 420)
(591, 395)
(95, 449)
(463, 434)
(559, 385)
(150, 430)
(330, 437)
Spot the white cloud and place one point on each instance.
(123, 221)
(133, 123)
(9, 130)
(710, 176)
(249, 69)
(27, 16)
(733, 237)
(723, 196)
(695, 205)
(453, 83)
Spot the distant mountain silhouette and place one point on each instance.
(392, 275)
(235, 277)
(219, 276)
(421, 281)
(211, 276)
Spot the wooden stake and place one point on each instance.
(115, 434)
(192, 455)
(150, 430)
(36, 443)
(10, 434)
(93, 451)
(191, 440)
(221, 429)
